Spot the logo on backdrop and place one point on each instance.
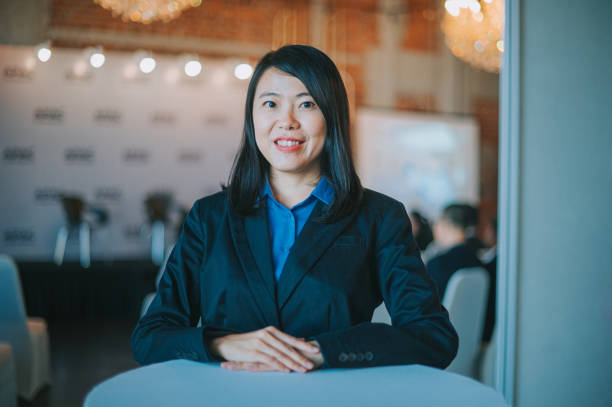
(19, 236)
(108, 194)
(189, 156)
(136, 155)
(107, 116)
(17, 73)
(79, 155)
(47, 195)
(48, 115)
(215, 120)
(19, 155)
(163, 118)
(132, 232)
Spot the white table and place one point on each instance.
(185, 383)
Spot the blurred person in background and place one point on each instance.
(472, 217)
(451, 237)
(421, 229)
(488, 257)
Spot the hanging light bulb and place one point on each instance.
(97, 58)
(146, 62)
(193, 67)
(43, 51)
(243, 71)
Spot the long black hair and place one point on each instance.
(321, 77)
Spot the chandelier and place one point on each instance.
(473, 31)
(147, 11)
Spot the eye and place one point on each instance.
(308, 105)
(269, 104)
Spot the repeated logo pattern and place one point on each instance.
(111, 140)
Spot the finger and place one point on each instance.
(265, 358)
(228, 365)
(297, 343)
(287, 354)
(255, 367)
(261, 367)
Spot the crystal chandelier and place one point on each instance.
(473, 31)
(147, 11)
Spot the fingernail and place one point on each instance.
(309, 365)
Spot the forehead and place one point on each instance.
(277, 81)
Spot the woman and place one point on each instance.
(294, 289)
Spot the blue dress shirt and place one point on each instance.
(286, 224)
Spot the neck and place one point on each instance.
(291, 189)
(453, 239)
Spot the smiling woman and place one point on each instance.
(285, 267)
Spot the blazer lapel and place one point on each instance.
(251, 237)
(311, 243)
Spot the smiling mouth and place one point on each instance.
(287, 142)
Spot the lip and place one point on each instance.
(288, 149)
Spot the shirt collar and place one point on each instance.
(323, 191)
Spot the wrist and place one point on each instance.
(215, 346)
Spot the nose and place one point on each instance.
(287, 120)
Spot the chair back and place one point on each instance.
(466, 300)
(13, 319)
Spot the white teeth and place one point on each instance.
(287, 143)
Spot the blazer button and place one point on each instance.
(352, 357)
(343, 357)
(369, 356)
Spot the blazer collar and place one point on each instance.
(310, 244)
(252, 241)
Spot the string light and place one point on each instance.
(193, 67)
(243, 71)
(43, 53)
(96, 57)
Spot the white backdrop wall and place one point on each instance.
(112, 135)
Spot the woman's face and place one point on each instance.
(289, 126)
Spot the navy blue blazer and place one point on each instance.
(221, 272)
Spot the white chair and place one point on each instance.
(8, 381)
(27, 336)
(466, 301)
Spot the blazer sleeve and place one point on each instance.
(169, 329)
(421, 332)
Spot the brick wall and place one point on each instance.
(487, 116)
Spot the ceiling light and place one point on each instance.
(243, 71)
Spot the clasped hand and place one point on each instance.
(267, 349)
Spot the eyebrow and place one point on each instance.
(299, 95)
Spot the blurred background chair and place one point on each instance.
(74, 207)
(8, 380)
(157, 205)
(76, 211)
(27, 336)
(465, 299)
